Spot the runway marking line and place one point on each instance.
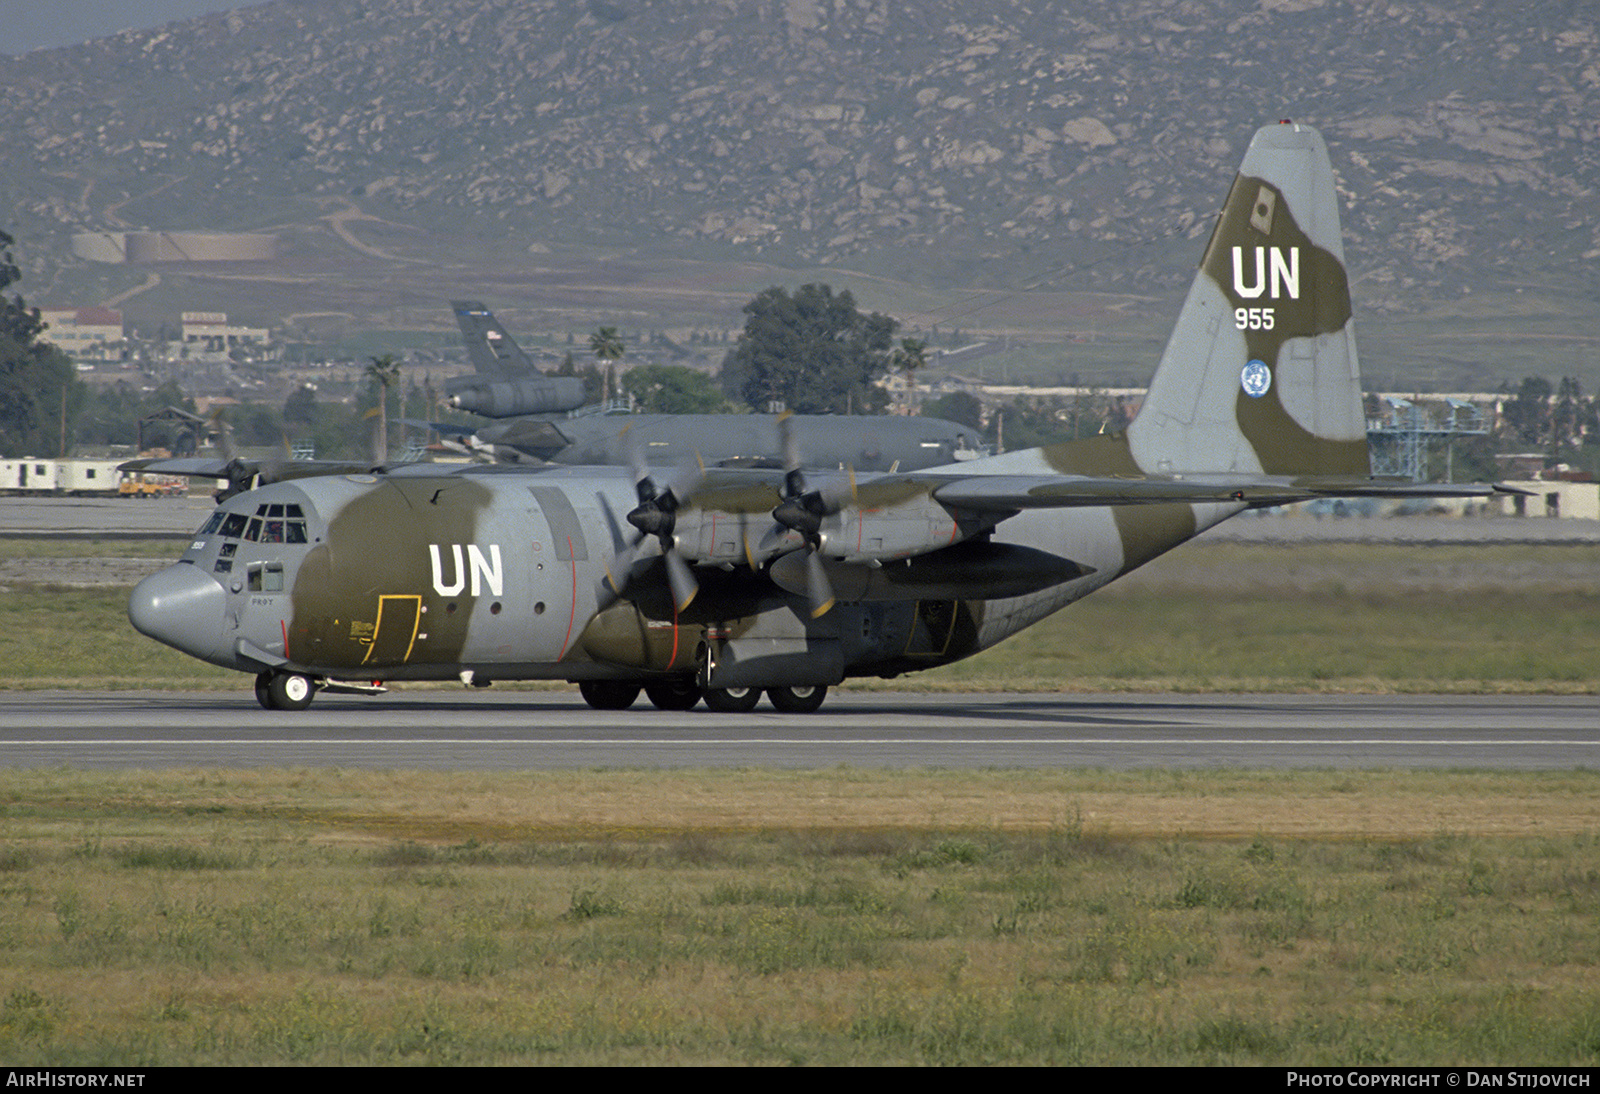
(985, 742)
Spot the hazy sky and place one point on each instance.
(30, 24)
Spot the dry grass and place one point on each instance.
(351, 806)
(809, 917)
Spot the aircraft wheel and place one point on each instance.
(732, 700)
(290, 691)
(680, 694)
(608, 694)
(263, 690)
(797, 700)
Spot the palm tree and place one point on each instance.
(606, 344)
(911, 355)
(385, 371)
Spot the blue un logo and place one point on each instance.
(1256, 379)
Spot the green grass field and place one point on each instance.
(1125, 918)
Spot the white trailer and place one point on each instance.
(87, 476)
(28, 475)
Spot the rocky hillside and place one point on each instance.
(946, 142)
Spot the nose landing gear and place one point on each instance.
(285, 690)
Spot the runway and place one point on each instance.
(176, 518)
(487, 730)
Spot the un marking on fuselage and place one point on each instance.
(484, 571)
(1276, 275)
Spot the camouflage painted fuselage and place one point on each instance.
(506, 573)
(422, 576)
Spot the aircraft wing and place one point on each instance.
(1009, 493)
(269, 470)
(189, 466)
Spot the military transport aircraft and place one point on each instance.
(536, 420)
(724, 584)
(540, 416)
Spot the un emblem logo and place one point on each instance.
(1256, 379)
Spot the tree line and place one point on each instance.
(812, 351)
(40, 393)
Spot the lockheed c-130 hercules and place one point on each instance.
(725, 584)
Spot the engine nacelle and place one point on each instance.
(551, 395)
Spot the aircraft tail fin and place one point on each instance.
(494, 354)
(1260, 375)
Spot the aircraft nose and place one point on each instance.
(181, 606)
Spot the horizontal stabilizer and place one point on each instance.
(1010, 493)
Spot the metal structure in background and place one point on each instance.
(1399, 440)
(190, 426)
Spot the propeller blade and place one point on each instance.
(836, 495)
(818, 588)
(643, 485)
(224, 435)
(625, 552)
(619, 571)
(681, 578)
(794, 479)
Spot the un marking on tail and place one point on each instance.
(1277, 277)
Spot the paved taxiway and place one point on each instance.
(446, 730)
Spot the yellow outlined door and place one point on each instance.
(931, 628)
(394, 632)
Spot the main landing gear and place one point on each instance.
(608, 694)
(797, 700)
(732, 700)
(681, 693)
(285, 690)
(678, 693)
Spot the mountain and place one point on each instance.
(940, 144)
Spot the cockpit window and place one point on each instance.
(266, 577)
(271, 527)
(278, 523)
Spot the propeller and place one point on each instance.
(803, 510)
(657, 515)
(238, 472)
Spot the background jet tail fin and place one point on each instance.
(1260, 375)
(491, 349)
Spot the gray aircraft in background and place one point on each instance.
(543, 417)
(535, 418)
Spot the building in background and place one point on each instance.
(85, 334)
